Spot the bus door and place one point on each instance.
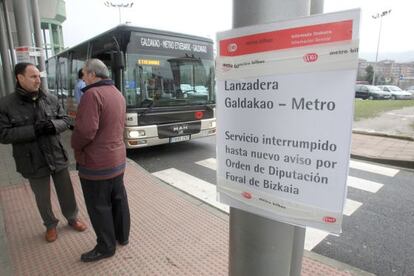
(115, 64)
(117, 67)
(61, 81)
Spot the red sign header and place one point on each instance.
(288, 38)
(22, 49)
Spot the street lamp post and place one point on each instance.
(380, 16)
(109, 4)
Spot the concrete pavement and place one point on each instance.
(171, 233)
(381, 148)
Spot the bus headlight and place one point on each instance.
(213, 124)
(136, 133)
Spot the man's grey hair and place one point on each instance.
(96, 66)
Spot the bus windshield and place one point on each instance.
(161, 81)
(167, 80)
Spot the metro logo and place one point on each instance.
(329, 219)
(198, 115)
(311, 57)
(232, 47)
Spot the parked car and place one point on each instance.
(396, 92)
(410, 89)
(370, 92)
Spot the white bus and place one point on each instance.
(167, 80)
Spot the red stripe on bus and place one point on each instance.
(288, 38)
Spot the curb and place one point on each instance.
(380, 134)
(393, 162)
(337, 264)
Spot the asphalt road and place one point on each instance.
(377, 237)
(181, 156)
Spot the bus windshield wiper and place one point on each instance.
(149, 104)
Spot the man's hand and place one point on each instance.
(44, 128)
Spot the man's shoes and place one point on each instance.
(94, 255)
(123, 243)
(51, 234)
(78, 225)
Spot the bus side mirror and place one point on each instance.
(118, 60)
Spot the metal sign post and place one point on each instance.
(38, 42)
(277, 170)
(7, 76)
(260, 246)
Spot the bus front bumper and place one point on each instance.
(146, 136)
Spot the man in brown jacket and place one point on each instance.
(97, 141)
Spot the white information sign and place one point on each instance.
(28, 54)
(284, 117)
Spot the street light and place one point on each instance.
(380, 16)
(109, 4)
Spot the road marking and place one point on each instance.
(194, 186)
(354, 182)
(206, 192)
(362, 184)
(210, 163)
(351, 206)
(313, 237)
(373, 168)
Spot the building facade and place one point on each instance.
(52, 15)
(388, 72)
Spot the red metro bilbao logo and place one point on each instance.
(310, 57)
(232, 47)
(247, 195)
(329, 219)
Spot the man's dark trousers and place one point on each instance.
(66, 196)
(107, 205)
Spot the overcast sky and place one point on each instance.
(204, 18)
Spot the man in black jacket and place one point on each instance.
(32, 120)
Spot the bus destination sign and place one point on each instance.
(163, 45)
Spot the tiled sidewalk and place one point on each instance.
(171, 234)
(383, 149)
